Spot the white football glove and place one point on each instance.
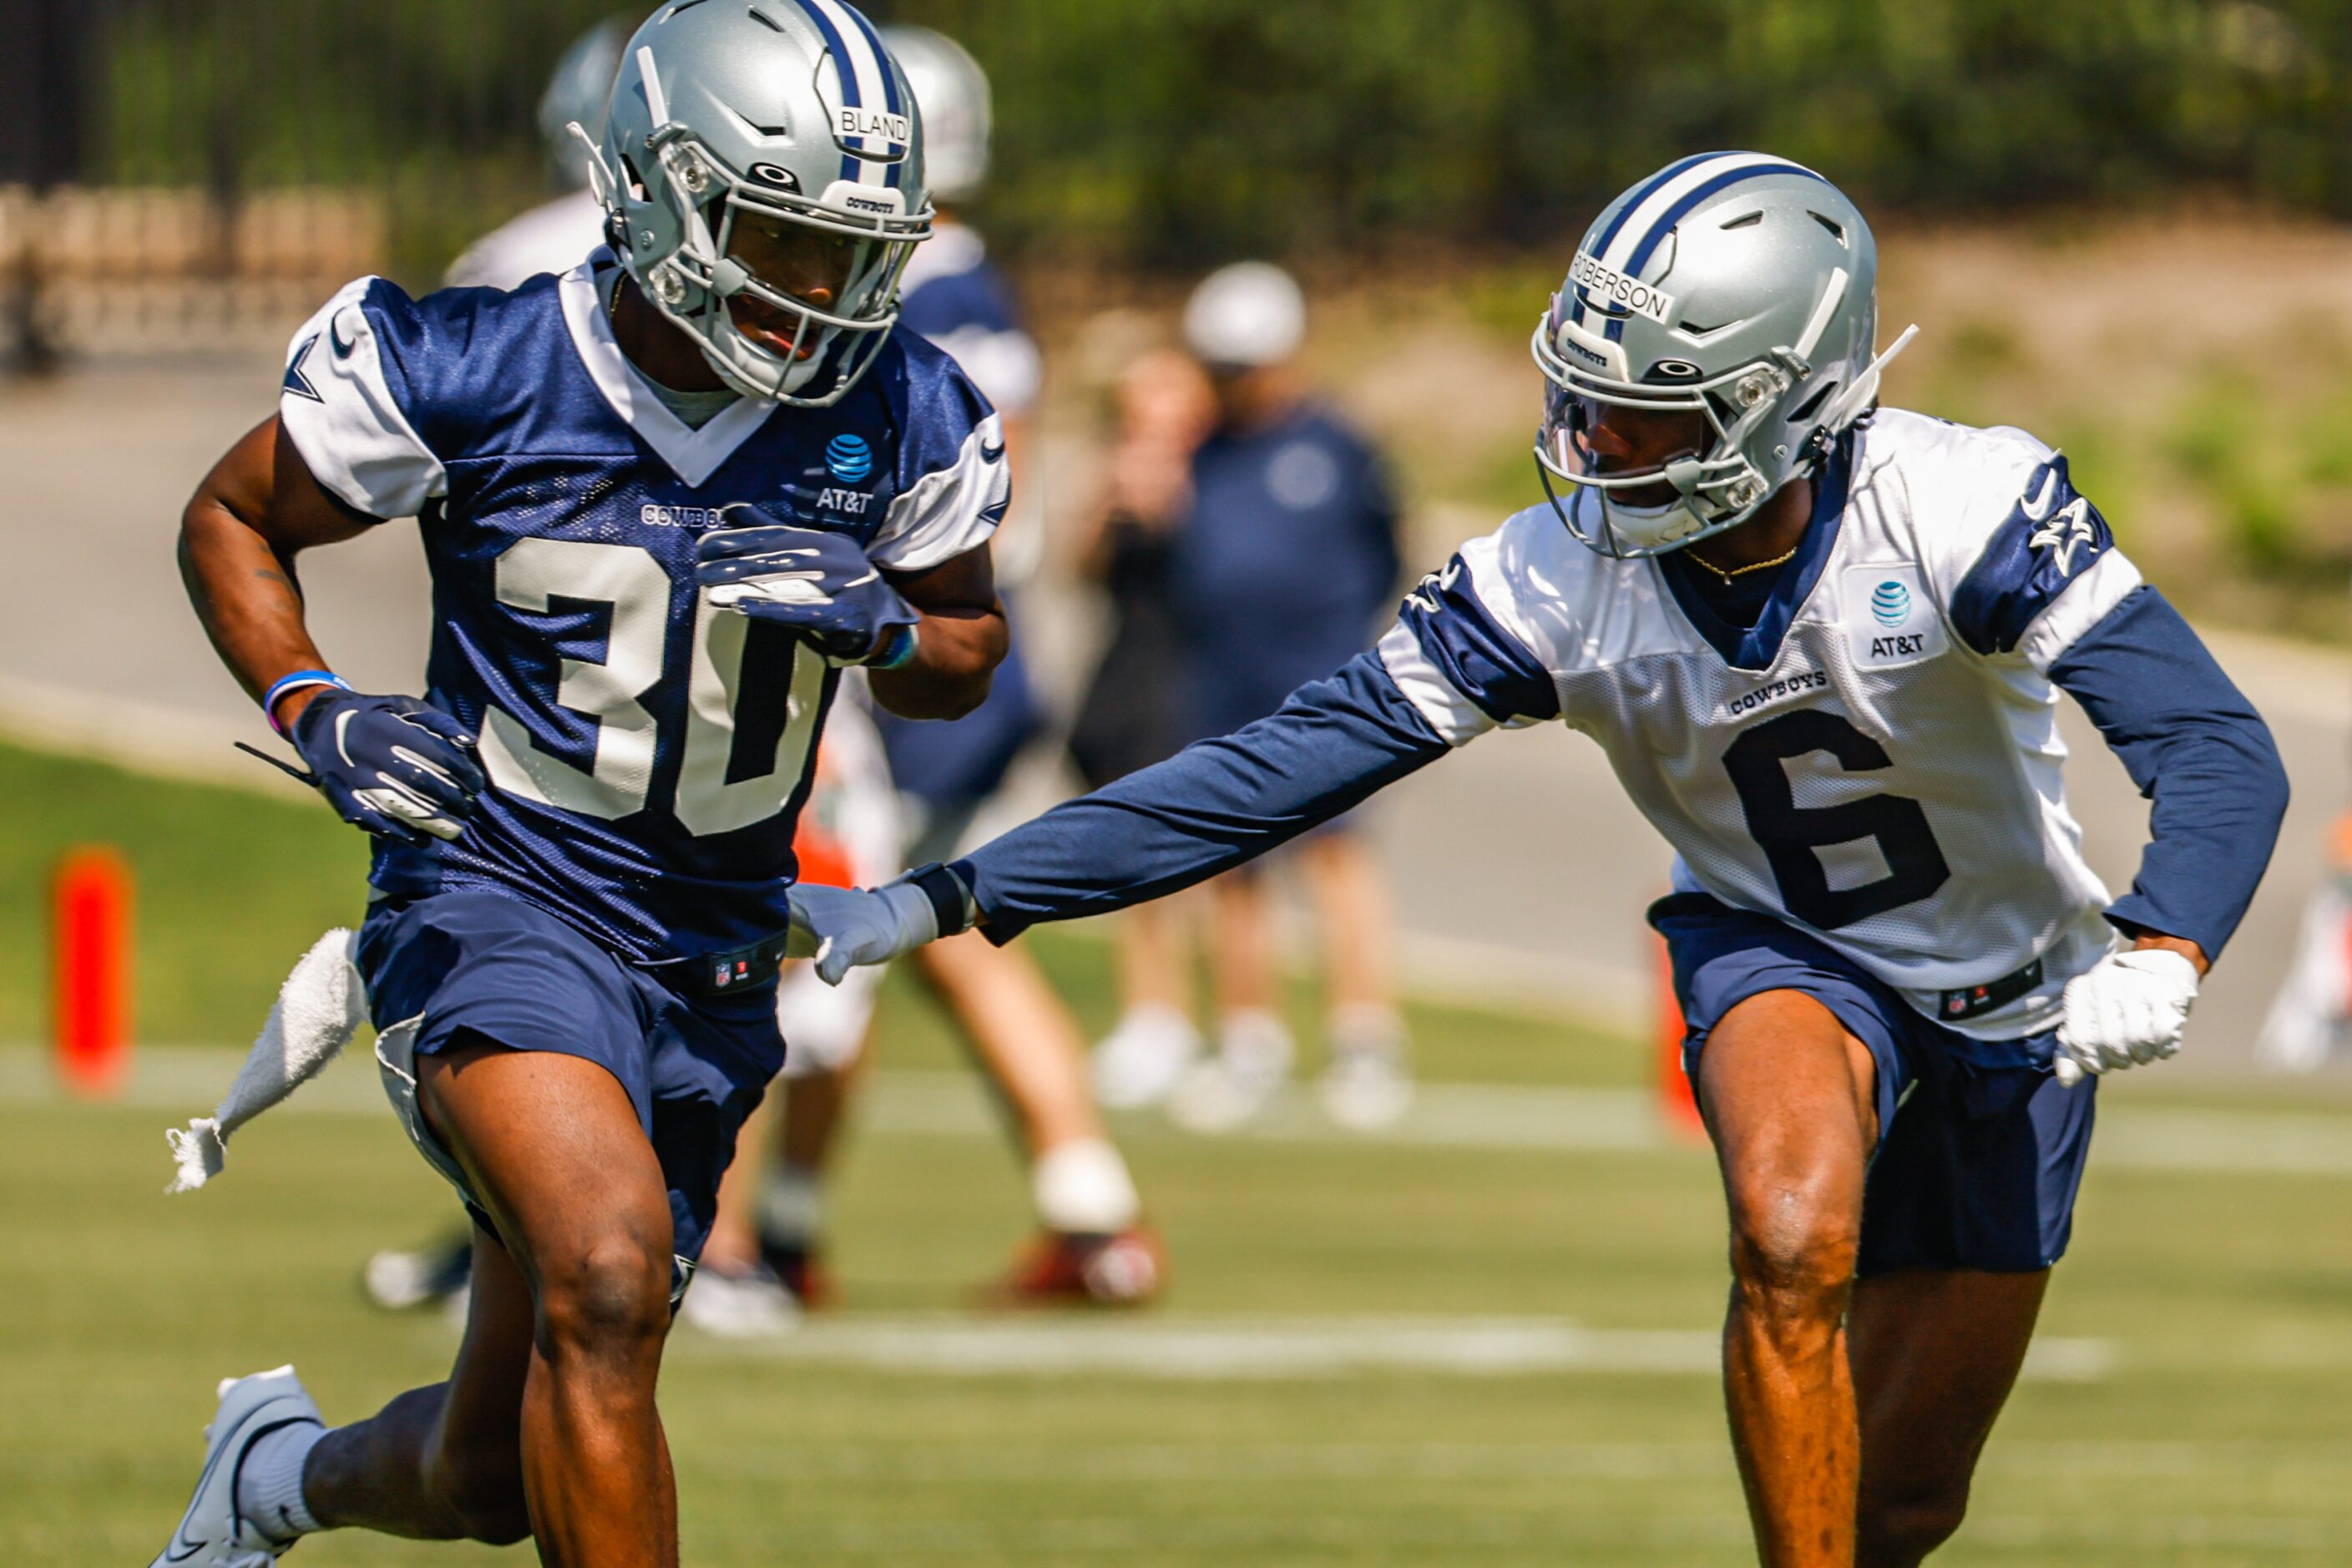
(842, 927)
(2126, 1010)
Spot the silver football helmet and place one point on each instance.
(763, 164)
(1735, 286)
(958, 116)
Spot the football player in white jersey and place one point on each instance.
(1822, 646)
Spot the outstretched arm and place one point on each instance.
(1209, 807)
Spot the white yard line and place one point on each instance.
(182, 1081)
(1234, 1350)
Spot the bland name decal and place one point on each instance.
(877, 124)
(1607, 286)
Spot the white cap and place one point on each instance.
(1249, 314)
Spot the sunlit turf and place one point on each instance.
(2221, 1435)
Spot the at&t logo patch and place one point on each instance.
(849, 458)
(1889, 618)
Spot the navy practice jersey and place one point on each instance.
(953, 295)
(647, 754)
(1282, 565)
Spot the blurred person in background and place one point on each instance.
(1283, 559)
(1128, 718)
(1092, 1246)
(555, 237)
(2310, 1017)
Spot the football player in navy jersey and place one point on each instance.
(667, 499)
(1091, 1247)
(1822, 644)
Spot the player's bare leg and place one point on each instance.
(1155, 1041)
(1254, 1047)
(1787, 1094)
(442, 1463)
(760, 1267)
(1935, 1354)
(1367, 1081)
(1022, 1034)
(1093, 1251)
(552, 1148)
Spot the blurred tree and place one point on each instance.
(1171, 132)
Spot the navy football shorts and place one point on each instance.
(1976, 1166)
(470, 961)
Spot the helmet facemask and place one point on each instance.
(1716, 486)
(819, 284)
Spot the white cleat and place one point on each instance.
(1366, 1091)
(1141, 1060)
(749, 1305)
(212, 1534)
(1238, 1084)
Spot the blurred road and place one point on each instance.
(1519, 867)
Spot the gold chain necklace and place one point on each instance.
(1743, 570)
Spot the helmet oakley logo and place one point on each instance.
(874, 125)
(775, 174)
(849, 458)
(1611, 289)
(1890, 605)
(1676, 369)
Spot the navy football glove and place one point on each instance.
(818, 583)
(390, 764)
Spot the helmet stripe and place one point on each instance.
(865, 73)
(1683, 203)
(845, 79)
(893, 172)
(1600, 246)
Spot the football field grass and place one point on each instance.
(1484, 1341)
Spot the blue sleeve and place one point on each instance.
(1207, 809)
(2196, 748)
(2051, 537)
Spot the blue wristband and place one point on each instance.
(295, 682)
(898, 652)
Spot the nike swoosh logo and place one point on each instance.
(182, 1548)
(992, 454)
(869, 577)
(342, 734)
(342, 350)
(2036, 508)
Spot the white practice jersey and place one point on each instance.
(1878, 759)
